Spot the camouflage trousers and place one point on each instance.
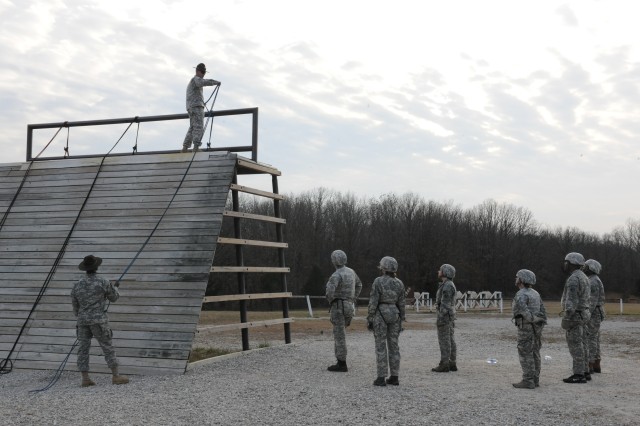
(448, 349)
(103, 335)
(592, 331)
(387, 347)
(576, 343)
(341, 314)
(196, 123)
(529, 344)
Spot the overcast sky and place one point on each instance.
(532, 103)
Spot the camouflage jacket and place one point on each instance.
(89, 298)
(194, 91)
(387, 297)
(597, 292)
(576, 294)
(528, 305)
(446, 300)
(345, 284)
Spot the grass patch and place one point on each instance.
(198, 354)
(264, 345)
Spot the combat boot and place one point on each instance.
(591, 368)
(117, 379)
(587, 376)
(184, 149)
(86, 380)
(340, 367)
(453, 366)
(576, 378)
(524, 385)
(393, 380)
(379, 382)
(596, 366)
(443, 367)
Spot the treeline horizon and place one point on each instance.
(487, 244)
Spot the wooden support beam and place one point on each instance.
(248, 190)
(249, 269)
(257, 167)
(254, 296)
(242, 241)
(241, 325)
(263, 218)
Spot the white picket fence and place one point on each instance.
(465, 301)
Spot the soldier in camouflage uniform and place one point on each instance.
(592, 269)
(576, 313)
(445, 322)
(195, 107)
(530, 316)
(384, 317)
(342, 290)
(88, 298)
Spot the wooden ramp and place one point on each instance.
(155, 319)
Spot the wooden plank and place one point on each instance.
(231, 213)
(99, 367)
(248, 190)
(245, 242)
(257, 167)
(226, 327)
(254, 296)
(249, 269)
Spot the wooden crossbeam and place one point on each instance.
(263, 218)
(249, 190)
(241, 241)
(254, 296)
(250, 269)
(241, 325)
(256, 167)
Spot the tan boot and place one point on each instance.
(184, 149)
(118, 379)
(86, 380)
(524, 385)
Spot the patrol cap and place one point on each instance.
(201, 67)
(594, 266)
(339, 258)
(388, 264)
(448, 271)
(575, 258)
(526, 276)
(90, 263)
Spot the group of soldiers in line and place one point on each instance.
(582, 310)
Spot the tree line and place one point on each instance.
(487, 244)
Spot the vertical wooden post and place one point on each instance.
(281, 260)
(242, 287)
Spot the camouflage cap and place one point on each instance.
(338, 258)
(593, 265)
(575, 258)
(526, 276)
(448, 271)
(388, 264)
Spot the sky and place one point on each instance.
(534, 104)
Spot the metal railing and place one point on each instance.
(253, 148)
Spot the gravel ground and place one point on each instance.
(289, 385)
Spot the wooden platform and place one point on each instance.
(155, 319)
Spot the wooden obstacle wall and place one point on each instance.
(155, 319)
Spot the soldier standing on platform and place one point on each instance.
(195, 108)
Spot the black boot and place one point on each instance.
(596, 366)
(393, 380)
(453, 366)
(587, 376)
(379, 382)
(340, 367)
(443, 367)
(576, 378)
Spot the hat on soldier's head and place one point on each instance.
(90, 263)
(575, 258)
(594, 266)
(339, 258)
(448, 271)
(388, 264)
(201, 67)
(526, 276)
